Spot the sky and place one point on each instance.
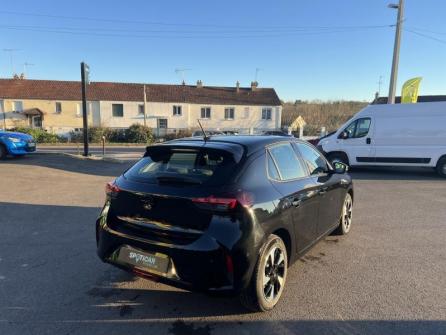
(305, 49)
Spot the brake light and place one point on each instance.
(245, 199)
(219, 203)
(229, 264)
(111, 188)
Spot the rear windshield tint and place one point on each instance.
(184, 166)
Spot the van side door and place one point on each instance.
(356, 140)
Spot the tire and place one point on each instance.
(338, 157)
(267, 282)
(441, 167)
(3, 151)
(345, 221)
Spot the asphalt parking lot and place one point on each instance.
(387, 277)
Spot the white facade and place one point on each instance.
(244, 117)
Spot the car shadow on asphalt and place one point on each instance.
(165, 302)
(394, 173)
(70, 164)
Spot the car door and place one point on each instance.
(299, 192)
(329, 187)
(356, 141)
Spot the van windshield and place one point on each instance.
(183, 166)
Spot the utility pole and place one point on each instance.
(85, 78)
(396, 51)
(145, 107)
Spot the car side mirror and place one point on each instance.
(343, 135)
(340, 168)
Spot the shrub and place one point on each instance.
(134, 134)
(137, 133)
(179, 134)
(40, 135)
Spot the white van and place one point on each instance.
(392, 135)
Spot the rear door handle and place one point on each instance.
(368, 140)
(296, 202)
(323, 190)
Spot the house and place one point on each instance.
(56, 106)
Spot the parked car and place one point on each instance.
(230, 132)
(208, 133)
(231, 213)
(392, 135)
(15, 144)
(276, 133)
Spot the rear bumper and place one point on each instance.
(207, 264)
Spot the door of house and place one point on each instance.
(35, 121)
(162, 127)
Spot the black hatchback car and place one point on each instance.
(229, 213)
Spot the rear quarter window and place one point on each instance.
(288, 165)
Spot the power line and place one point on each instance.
(160, 34)
(161, 23)
(428, 31)
(425, 36)
(291, 30)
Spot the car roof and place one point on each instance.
(251, 143)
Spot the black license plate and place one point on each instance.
(156, 262)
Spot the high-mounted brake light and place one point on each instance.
(111, 188)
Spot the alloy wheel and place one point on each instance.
(273, 274)
(347, 212)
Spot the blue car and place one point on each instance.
(15, 144)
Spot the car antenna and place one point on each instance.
(205, 136)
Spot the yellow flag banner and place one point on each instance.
(409, 93)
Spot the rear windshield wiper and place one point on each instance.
(178, 179)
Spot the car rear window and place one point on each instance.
(183, 166)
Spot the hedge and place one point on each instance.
(40, 135)
(136, 133)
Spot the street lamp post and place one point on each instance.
(396, 51)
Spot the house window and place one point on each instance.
(58, 107)
(17, 106)
(206, 112)
(140, 109)
(117, 110)
(229, 113)
(266, 113)
(177, 110)
(162, 123)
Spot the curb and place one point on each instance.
(91, 157)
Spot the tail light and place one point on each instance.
(111, 188)
(222, 203)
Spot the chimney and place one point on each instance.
(199, 84)
(237, 86)
(254, 85)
